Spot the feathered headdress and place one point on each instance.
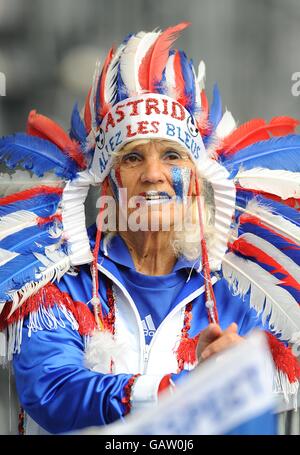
(253, 170)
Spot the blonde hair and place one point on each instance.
(187, 241)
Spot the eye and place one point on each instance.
(172, 155)
(131, 158)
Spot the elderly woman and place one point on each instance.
(152, 301)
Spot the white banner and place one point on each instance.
(219, 395)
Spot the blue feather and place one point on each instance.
(42, 205)
(189, 82)
(97, 101)
(215, 112)
(29, 240)
(160, 86)
(276, 153)
(127, 38)
(17, 272)
(77, 131)
(122, 93)
(277, 208)
(36, 154)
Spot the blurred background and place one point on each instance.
(48, 52)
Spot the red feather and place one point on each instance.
(155, 60)
(204, 102)
(87, 112)
(248, 250)
(281, 126)
(42, 126)
(48, 219)
(244, 135)
(104, 106)
(179, 81)
(30, 193)
(257, 130)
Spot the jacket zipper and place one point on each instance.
(145, 349)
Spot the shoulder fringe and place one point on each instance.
(39, 309)
(289, 390)
(287, 372)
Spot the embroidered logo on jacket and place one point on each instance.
(148, 326)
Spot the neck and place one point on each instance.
(151, 252)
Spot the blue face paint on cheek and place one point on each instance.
(181, 177)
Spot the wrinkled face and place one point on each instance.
(157, 178)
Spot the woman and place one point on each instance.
(105, 339)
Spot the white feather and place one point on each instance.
(131, 58)
(198, 102)
(287, 263)
(22, 180)
(266, 296)
(6, 256)
(102, 348)
(282, 183)
(201, 75)
(127, 64)
(94, 93)
(276, 222)
(110, 89)
(226, 125)
(143, 46)
(15, 222)
(170, 83)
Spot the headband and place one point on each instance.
(148, 116)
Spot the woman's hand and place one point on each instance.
(213, 340)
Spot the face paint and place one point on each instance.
(181, 177)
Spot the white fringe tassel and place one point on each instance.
(44, 318)
(282, 385)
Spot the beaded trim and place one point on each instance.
(110, 318)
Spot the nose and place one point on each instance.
(153, 171)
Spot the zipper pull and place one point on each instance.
(146, 354)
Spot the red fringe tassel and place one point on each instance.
(283, 358)
(186, 352)
(49, 296)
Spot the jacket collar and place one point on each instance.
(118, 252)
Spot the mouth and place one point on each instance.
(156, 197)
